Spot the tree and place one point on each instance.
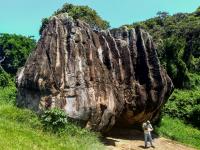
(4, 78)
(15, 49)
(162, 14)
(173, 56)
(44, 24)
(84, 13)
(197, 12)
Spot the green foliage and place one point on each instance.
(184, 104)
(44, 24)
(178, 44)
(194, 115)
(8, 94)
(175, 129)
(162, 15)
(5, 78)
(194, 81)
(173, 57)
(197, 12)
(54, 119)
(84, 13)
(15, 49)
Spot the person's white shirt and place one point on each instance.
(147, 128)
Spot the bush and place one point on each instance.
(194, 80)
(194, 116)
(185, 105)
(4, 78)
(8, 94)
(54, 119)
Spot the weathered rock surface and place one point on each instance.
(99, 77)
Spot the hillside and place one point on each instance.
(24, 129)
(178, 46)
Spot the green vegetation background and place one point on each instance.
(178, 46)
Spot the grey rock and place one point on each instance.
(103, 78)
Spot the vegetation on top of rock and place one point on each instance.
(84, 13)
(15, 49)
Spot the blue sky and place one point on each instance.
(24, 16)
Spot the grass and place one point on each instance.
(176, 130)
(22, 129)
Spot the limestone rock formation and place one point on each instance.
(99, 77)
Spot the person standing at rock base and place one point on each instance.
(147, 127)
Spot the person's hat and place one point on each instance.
(148, 121)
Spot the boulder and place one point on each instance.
(101, 78)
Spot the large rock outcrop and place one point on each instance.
(99, 77)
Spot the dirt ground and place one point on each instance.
(130, 139)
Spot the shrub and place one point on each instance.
(194, 80)
(8, 94)
(185, 105)
(54, 119)
(4, 78)
(194, 116)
